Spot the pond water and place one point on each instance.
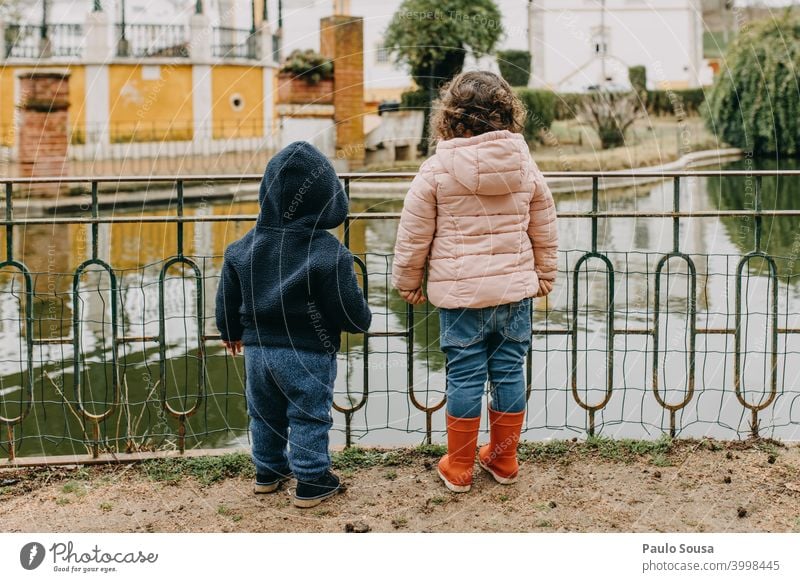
(633, 246)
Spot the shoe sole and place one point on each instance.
(452, 486)
(271, 488)
(308, 503)
(499, 478)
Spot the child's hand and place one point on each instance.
(235, 348)
(544, 288)
(414, 297)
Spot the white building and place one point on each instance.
(580, 43)
(575, 44)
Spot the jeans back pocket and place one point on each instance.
(460, 327)
(518, 323)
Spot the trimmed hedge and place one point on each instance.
(515, 67)
(418, 99)
(638, 77)
(659, 103)
(541, 106)
(568, 105)
(669, 102)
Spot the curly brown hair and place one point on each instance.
(474, 103)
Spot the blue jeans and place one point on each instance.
(289, 397)
(492, 343)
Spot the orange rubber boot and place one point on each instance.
(455, 468)
(499, 457)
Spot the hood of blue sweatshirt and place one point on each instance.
(300, 189)
(288, 281)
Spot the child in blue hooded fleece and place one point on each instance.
(288, 290)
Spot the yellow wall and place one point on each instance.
(156, 109)
(8, 101)
(246, 81)
(7, 106)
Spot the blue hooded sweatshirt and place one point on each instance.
(289, 282)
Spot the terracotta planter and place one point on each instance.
(296, 90)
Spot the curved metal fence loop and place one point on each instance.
(28, 380)
(349, 411)
(773, 347)
(691, 312)
(592, 409)
(181, 415)
(94, 418)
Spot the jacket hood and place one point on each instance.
(300, 188)
(490, 164)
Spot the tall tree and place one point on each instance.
(433, 37)
(755, 102)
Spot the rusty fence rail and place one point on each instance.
(117, 353)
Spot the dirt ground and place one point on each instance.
(577, 487)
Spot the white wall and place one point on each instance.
(662, 35)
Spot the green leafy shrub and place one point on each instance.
(680, 101)
(755, 103)
(568, 105)
(540, 105)
(416, 99)
(638, 77)
(309, 65)
(515, 67)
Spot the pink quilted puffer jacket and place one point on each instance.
(481, 216)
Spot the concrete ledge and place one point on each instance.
(366, 190)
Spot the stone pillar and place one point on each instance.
(2, 40)
(98, 54)
(200, 38)
(342, 40)
(43, 139)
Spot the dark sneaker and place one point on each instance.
(312, 493)
(270, 481)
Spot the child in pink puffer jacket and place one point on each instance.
(481, 218)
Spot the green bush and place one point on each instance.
(417, 99)
(638, 77)
(515, 67)
(754, 104)
(669, 102)
(540, 105)
(568, 105)
(308, 65)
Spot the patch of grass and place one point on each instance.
(437, 500)
(544, 523)
(106, 506)
(399, 522)
(63, 501)
(228, 512)
(431, 450)
(390, 475)
(502, 498)
(206, 470)
(627, 450)
(547, 450)
(79, 489)
(660, 460)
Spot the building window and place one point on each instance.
(600, 41)
(381, 55)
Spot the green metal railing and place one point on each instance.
(100, 416)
